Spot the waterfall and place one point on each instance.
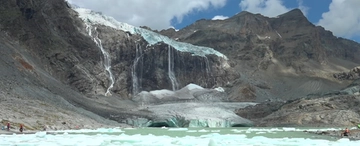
(107, 60)
(135, 80)
(207, 66)
(208, 70)
(171, 73)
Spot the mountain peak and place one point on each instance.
(295, 16)
(243, 13)
(293, 13)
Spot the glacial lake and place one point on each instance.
(236, 136)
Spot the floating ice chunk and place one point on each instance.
(212, 142)
(203, 130)
(288, 129)
(178, 129)
(40, 134)
(343, 140)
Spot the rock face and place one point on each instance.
(290, 38)
(336, 108)
(354, 133)
(353, 74)
(139, 66)
(330, 110)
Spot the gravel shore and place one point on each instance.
(354, 133)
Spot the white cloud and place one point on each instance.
(343, 18)
(270, 8)
(156, 14)
(304, 9)
(220, 17)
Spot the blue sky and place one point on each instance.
(316, 8)
(342, 17)
(314, 11)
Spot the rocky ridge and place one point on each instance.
(284, 50)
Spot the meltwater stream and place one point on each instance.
(177, 137)
(107, 60)
(134, 76)
(172, 77)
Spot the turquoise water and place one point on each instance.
(249, 132)
(177, 137)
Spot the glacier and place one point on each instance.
(192, 114)
(151, 37)
(191, 106)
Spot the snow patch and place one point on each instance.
(220, 89)
(263, 37)
(193, 86)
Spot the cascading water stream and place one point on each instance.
(135, 79)
(207, 66)
(107, 60)
(208, 70)
(174, 83)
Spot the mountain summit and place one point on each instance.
(295, 13)
(290, 36)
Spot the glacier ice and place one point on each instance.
(189, 92)
(193, 86)
(188, 107)
(151, 37)
(193, 115)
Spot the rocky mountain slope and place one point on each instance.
(277, 52)
(339, 108)
(40, 46)
(59, 63)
